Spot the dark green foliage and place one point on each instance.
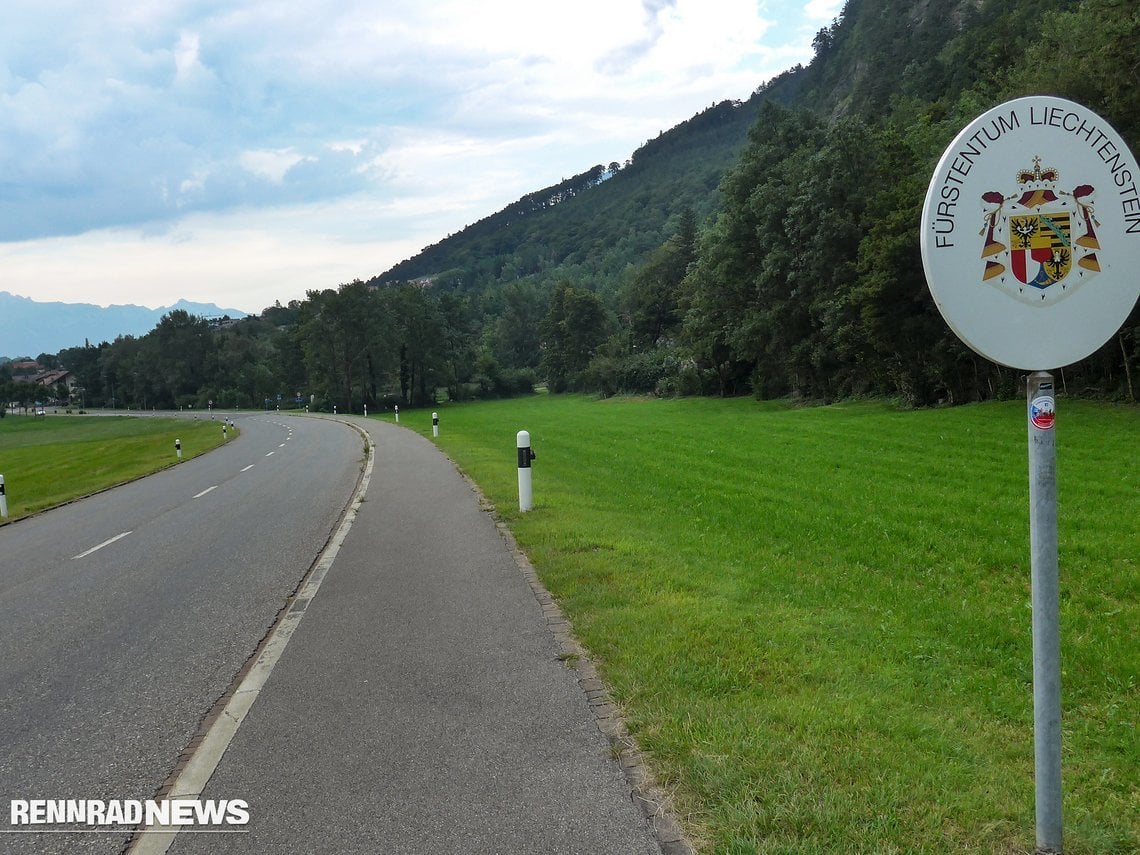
(650, 302)
(513, 334)
(649, 372)
(572, 331)
(810, 280)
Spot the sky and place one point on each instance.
(242, 152)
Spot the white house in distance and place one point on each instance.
(52, 379)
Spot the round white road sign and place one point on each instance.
(1031, 233)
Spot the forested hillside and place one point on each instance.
(593, 226)
(769, 247)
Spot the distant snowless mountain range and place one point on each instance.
(29, 328)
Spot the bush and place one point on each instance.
(494, 383)
(687, 381)
(652, 372)
(517, 381)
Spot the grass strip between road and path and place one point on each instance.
(47, 461)
(817, 620)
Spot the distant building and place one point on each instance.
(26, 372)
(52, 379)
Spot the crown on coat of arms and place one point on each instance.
(1049, 175)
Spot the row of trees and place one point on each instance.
(350, 347)
(809, 282)
(347, 347)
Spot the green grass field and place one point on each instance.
(817, 620)
(48, 461)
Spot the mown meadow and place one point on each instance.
(51, 460)
(817, 620)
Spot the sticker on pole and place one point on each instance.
(1042, 413)
(1031, 233)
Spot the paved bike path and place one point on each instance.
(421, 706)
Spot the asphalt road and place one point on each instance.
(421, 706)
(125, 616)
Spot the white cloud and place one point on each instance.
(272, 164)
(354, 146)
(186, 61)
(823, 10)
(237, 261)
(259, 121)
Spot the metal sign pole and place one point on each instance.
(1046, 612)
(1025, 310)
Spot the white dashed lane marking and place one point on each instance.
(107, 542)
(111, 540)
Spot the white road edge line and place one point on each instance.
(192, 780)
(107, 542)
(270, 454)
(204, 492)
(247, 468)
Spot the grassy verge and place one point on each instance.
(818, 620)
(48, 461)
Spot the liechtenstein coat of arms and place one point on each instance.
(1040, 242)
(1018, 263)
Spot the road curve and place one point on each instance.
(125, 616)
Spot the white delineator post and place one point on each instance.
(365, 411)
(526, 455)
(178, 447)
(435, 424)
(1044, 584)
(3, 499)
(397, 413)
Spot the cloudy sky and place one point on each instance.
(245, 151)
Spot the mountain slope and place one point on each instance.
(598, 222)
